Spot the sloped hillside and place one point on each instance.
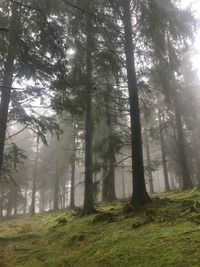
(166, 234)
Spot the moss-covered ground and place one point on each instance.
(165, 233)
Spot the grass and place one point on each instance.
(164, 234)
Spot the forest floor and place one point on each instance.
(165, 234)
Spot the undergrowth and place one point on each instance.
(164, 233)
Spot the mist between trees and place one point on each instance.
(99, 101)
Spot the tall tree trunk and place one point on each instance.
(109, 161)
(8, 78)
(151, 188)
(163, 153)
(123, 181)
(88, 206)
(73, 166)
(64, 195)
(32, 208)
(11, 200)
(172, 179)
(42, 200)
(56, 190)
(109, 182)
(185, 173)
(73, 169)
(140, 195)
(181, 143)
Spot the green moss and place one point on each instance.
(167, 235)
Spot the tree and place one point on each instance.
(140, 195)
(8, 76)
(25, 59)
(163, 152)
(88, 206)
(34, 181)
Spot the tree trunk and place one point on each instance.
(181, 144)
(8, 79)
(151, 188)
(11, 200)
(196, 153)
(187, 182)
(109, 182)
(73, 168)
(109, 161)
(163, 153)
(64, 196)
(42, 200)
(172, 178)
(88, 206)
(32, 208)
(25, 201)
(123, 181)
(56, 190)
(140, 195)
(15, 200)
(2, 201)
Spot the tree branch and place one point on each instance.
(24, 5)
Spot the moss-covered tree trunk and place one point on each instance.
(140, 195)
(88, 206)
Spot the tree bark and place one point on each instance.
(88, 206)
(163, 153)
(140, 195)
